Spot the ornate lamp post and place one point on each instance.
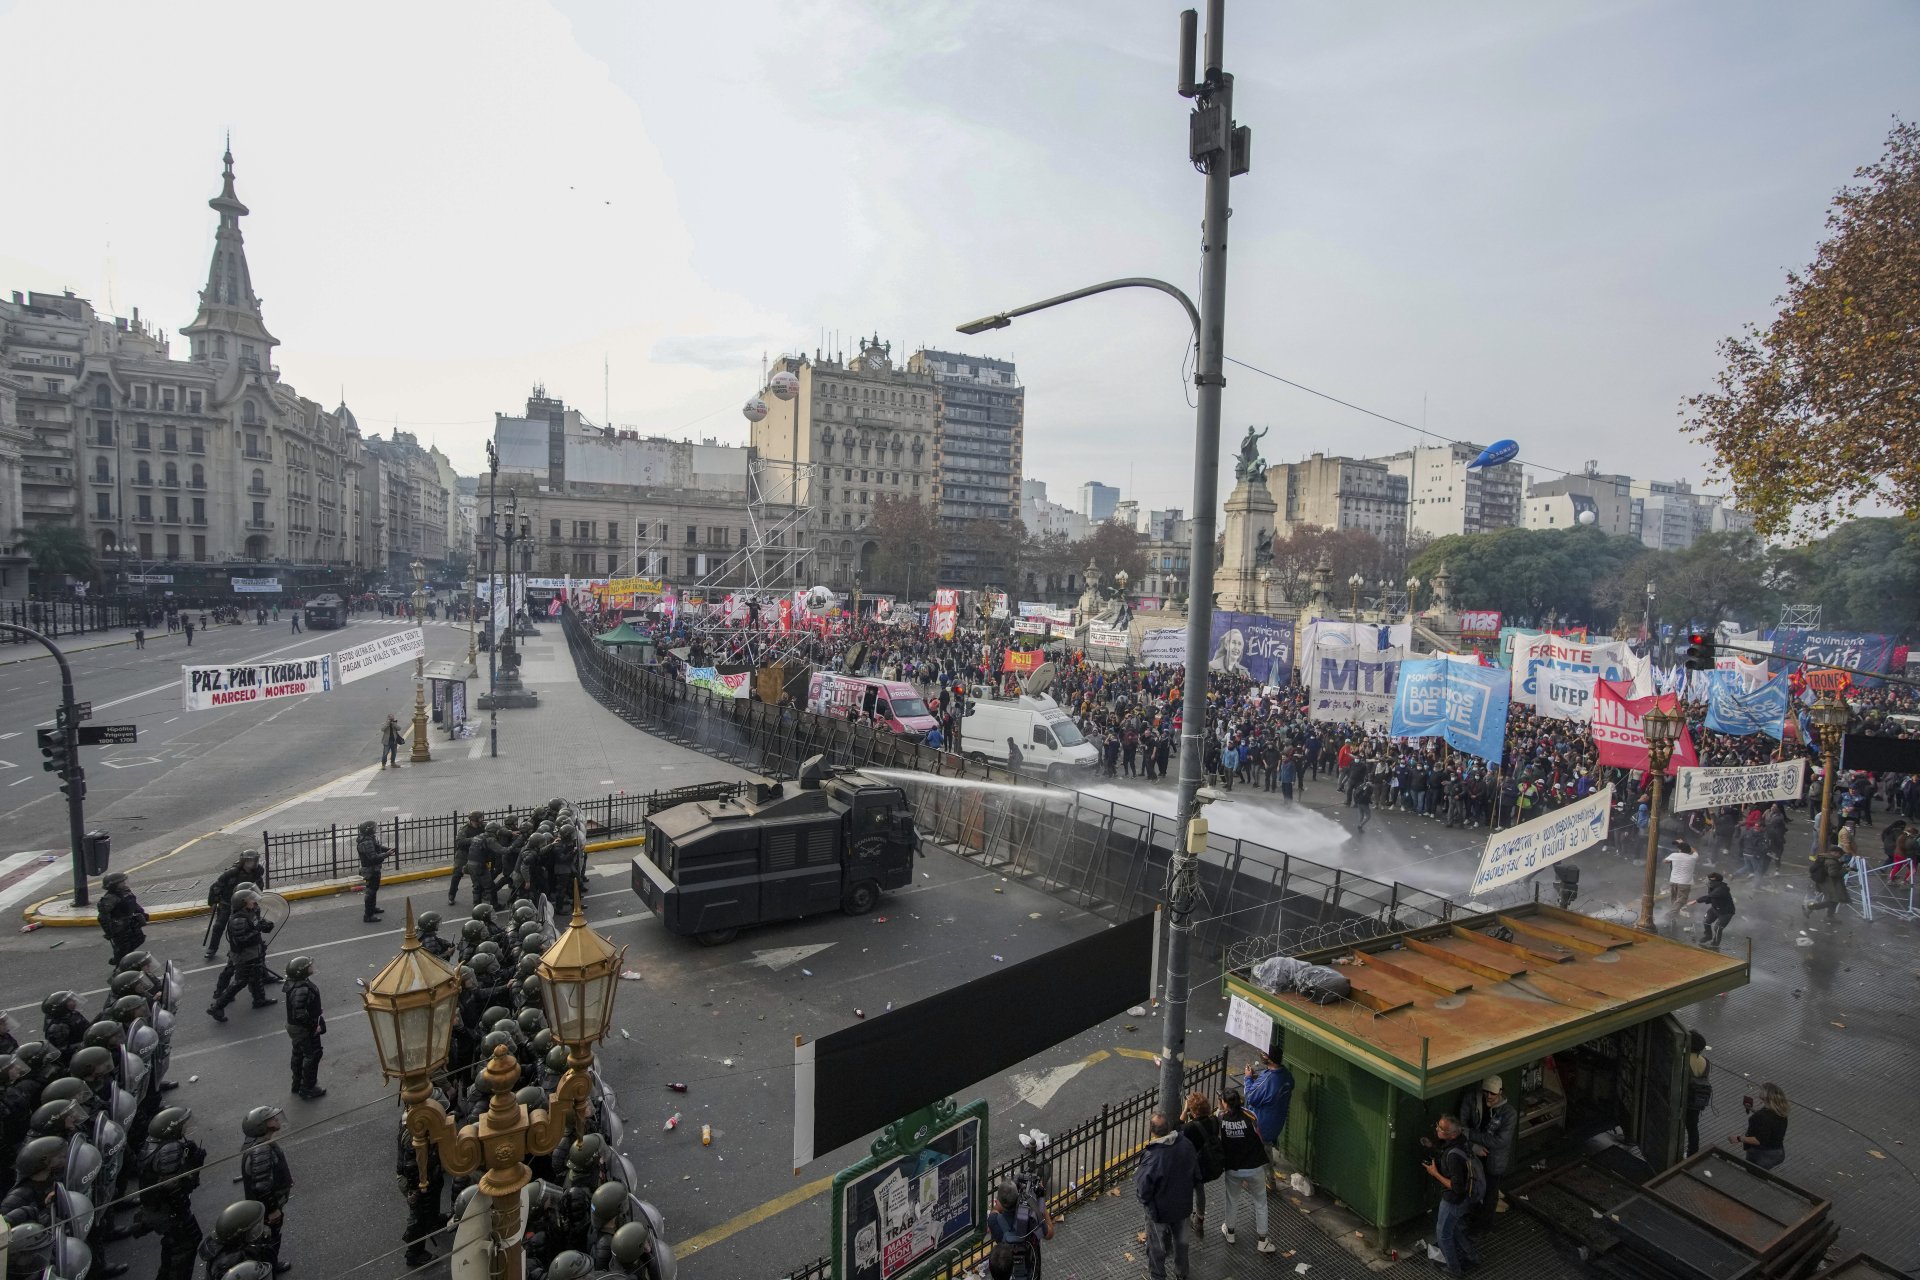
(420, 753)
(1413, 598)
(473, 610)
(411, 1006)
(1662, 730)
(1354, 584)
(1829, 716)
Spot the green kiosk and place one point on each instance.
(1573, 1013)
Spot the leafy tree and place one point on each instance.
(1113, 547)
(1865, 576)
(55, 549)
(910, 540)
(1818, 413)
(1721, 576)
(1529, 574)
(1296, 558)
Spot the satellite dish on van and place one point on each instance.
(1038, 681)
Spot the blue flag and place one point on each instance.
(1464, 704)
(1734, 709)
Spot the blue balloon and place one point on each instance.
(1496, 453)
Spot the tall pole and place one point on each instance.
(72, 775)
(1827, 743)
(1658, 754)
(493, 600)
(1218, 144)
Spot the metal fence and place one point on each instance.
(1102, 855)
(327, 853)
(1078, 1165)
(55, 618)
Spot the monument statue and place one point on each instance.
(1251, 466)
(1263, 547)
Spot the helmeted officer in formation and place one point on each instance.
(247, 955)
(240, 1235)
(169, 1174)
(65, 1026)
(306, 1023)
(372, 855)
(265, 1177)
(428, 927)
(220, 897)
(474, 827)
(122, 918)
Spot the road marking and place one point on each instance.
(752, 1217)
(23, 874)
(5, 736)
(478, 749)
(779, 958)
(170, 720)
(28, 778)
(1038, 1087)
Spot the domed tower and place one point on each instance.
(229, 326)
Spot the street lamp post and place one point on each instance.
(473, 610)
(1829, 716)
(1354, 584)
(420, 755)
(1413, 598)
(1662, 731)
(1221, 150)
(411, 1004)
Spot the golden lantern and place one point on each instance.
(411, 1004)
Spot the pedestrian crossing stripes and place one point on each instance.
(25, 877)
(404, 622)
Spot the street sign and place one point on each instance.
(81, 711)
(108, 735)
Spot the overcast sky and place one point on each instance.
(1511, 219)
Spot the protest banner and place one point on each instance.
(1464, 705)
(945, 615)
(254, 585)
(389, 650)
(732, 685)
(1619, 732)
(1480, 624)
(1544, 667)
(1538, 843)
(1162, 645)
(208, 688)
(1733, 708)
(1350, 683)
(1862, 651)
(1749, 785)
(1105, 637)
(1252, 644)
(1021, 661)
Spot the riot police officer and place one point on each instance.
(37, 1170)
(65, 1026)
(18, 1101)
(169, 1174)
(424, 1215)
(240, 1234)
(306, 1023)
(475, 825)
(430, 939)
(247, 952)
(639, 1251)
(220, 897)
(486, 856)
(372, 854)
(265, 1177)
(122, 918)
(8, 1041)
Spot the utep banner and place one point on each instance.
(1252, 644)
(1518, 852)
(1350, 683)
(1619, 730)
(389, 650)
(1756, 784)
(1735, 709)
(1463, 704)
(207, 688)
(1862, 650)
(1555, 675)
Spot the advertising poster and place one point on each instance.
(892, 1214)
(1252, 644)
(1480, 624)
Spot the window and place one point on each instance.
(140, 439)
(197, 478)
(142, 473)
(693, 569)
(663, 531)
(693, 538)
(613, 531)
(613, 564)
(173, 509)
(553, 528)
(55, 384)
(199, 546)
(745, 538)
(173, 546)
(193, 406)
(199, 510)
(197, 442)
(139, 397)
(169, 439)
(103, 430)
(103, 506)
(166, 399)
(259, 515)
(146, 546)
(143, 507)
(103, 395)
(171, 475)
(100, 475)
(248, 413)
(259, 484)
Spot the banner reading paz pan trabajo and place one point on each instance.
(207, 688)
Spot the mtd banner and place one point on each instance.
(1252, 644)
(1351, 683)
(1463, 704)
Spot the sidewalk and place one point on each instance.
(28, 651)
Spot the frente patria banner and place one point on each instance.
(1754, 784)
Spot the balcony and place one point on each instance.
(171, 517)
(169, 446)
(143, 517)
(142, 442)
(197, 522)
(197, 484)
(170, 484)
(261, 490)
(198, 447)
(258, 454)
(61, 500)
(260, 526)
(141, 482)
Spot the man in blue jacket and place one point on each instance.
(1164, 1186)
(1269, 1093)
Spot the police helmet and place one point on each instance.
(133, 960)
(29, 1242)
(488, 948)
(251, 1269)
(241, 1220)
(522, 904)
(543, 1043)
(67, 1089)
(368, 827)
(496, 1040)
(609, 1203)
(56, 1119)
(530, 1021)
(525, 965)
(39, 1155)
(249, 855)
(103, 1035)
(257, 1122)
(300, 967)
(570, 1264)
(58, 1000)
(483, 911)
(557, 1058)
(11, 1069)
(245, 898)
(477, 818)
(633, 1242)
(508, 1028)
(128, 1008)
(170, 1123)
(35, 1053)
(530, 990)
(131, 982)
(484, 965)
(586, 1153)
(494, 1013)
(114, 881)
(95, 1060)
(473, 931)
(531, 1096)
(494, 828)
(429, 922)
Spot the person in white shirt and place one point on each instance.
(1681, 863)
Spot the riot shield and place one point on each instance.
(276, 911)
(171, 987)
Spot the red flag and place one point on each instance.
(1619, 730)
(1020, 660)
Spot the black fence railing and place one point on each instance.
(56, 618)
(327, 853)
(1078, 1165)
(1104, 856)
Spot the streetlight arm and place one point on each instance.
(458, 1147)
(1001, 320)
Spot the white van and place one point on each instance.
(1050, 743)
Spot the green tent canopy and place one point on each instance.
(623, 634)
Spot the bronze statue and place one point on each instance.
(1250, 466)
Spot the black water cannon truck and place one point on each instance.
(776, 850)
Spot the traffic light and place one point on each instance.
(56, 755)
(1700, 655)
